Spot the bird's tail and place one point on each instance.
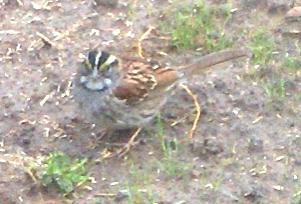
(212, 59)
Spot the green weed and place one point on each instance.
(214, 181)
(60, 170)
(198, 26)
(262, 46)
(138, 186)
(171, 166)
(139, 175)
(296, 199)
(291, 63)
(276, 90)
(174, 168)
(137, 195)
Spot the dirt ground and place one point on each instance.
(247, 148)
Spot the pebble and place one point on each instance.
(107, 3)
(255, 145)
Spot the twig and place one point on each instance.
(106, 194)
(178, 121)
(46, 39)
(46, 98)
(143, 37)
(198, 111)
(130, 143)
(9, 32)
(31, 175)
(20, 3)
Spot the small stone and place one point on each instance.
(255, 145)
(253, 193)
(297, 162)
(195, 173)
(213, 146)
(26, 141)
(273, 6)
(121, 196)
(116, 32)
(209, 145)
(229, 194)
(279, 6)
(278, 188)
(252, 3)
(294, 12)
(107, 3)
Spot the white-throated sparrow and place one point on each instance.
(126, 92)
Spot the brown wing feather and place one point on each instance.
(142, 79)
(166, 76)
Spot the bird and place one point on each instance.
(124, 92)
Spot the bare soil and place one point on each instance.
(246, 148)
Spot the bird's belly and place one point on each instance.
(107, 111)
(124, 116)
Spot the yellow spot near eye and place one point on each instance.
(103, 67)
(108, 62)
(87, 64)
(111, 60)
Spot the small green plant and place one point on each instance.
(140, 175)
(60, 170)
(138, 195)
(197, 25)
(276, 90)
(167, 146)
(262, 46)
(208, 178)
(296, 199)
(169, 164)
(291, 63)
(138, 185)
(174, 168)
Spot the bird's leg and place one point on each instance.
(99, 136)
(126, 148)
